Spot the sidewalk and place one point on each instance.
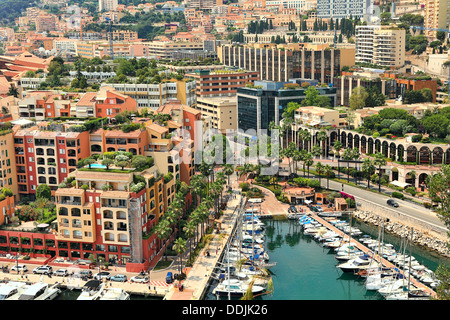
(199, 275)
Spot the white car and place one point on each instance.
(19, 267)
(61, 273)
(139, 279)
(43, 270)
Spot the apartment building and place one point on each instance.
(46, 23)
(211, 83)
(338, 9)
(166, 50)
(281, 63)
(154, 95)
(107, 5)
(8, 174)
(436, 15)
(380, 45)
(219, 112)
(317, 116)
(123, 35)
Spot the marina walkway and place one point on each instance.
(365, 249)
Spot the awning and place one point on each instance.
(400, 184)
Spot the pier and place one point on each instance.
(367, 250)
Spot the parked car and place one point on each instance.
(169, 277)
(392, 203)
(43, 270)
(61, 273)
(83, 274)
(319, 209)
(19, 267)
(293, 209)
(139, 279)
(119, 278)
(313, 208)
(102, 275)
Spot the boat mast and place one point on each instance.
(410, 257)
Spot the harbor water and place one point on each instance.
(305, 270)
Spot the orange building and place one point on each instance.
(110, 103)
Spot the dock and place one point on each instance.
(365, 249)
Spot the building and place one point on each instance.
(155, 95)
(165, 50)
(338, 9)
(218, 112)
(380, 45)
(317, 116)
(436, 16)
(46, 23)
(281, 63)
(265, 101)
(211, 83)
(107, 5)
(123, 35)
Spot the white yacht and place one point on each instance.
(235, 287)
(91, 290)
(114, 294)
(40, 291)
(12, 290)
(357, 264)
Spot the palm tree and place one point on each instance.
(337, 147)
(368, 168)
(305, 135)
(163, 231)
(355, 156)
(309, 161)
(13, 91)
(316, 151)
(296, 157)
(328, 171)
(179, 247)
(321, 137)
(348, 156)
(198, 183)
(379, 161)
(228, 170)
(189, 231)
(319, 170)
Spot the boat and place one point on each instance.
(416, 294)
(114, 294)
(357, 264)
(235, 287)
(329, 214)
(12, 290)
(91, 290)
(40, 291)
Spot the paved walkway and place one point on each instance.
(197, 279)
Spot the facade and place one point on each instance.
(314, 116)
(436, 16)
(221, 82)
(338, 9)
(107, 5)
(155, 95)
(380, 45)
(45, 23)
(259, 105)
(219, 112)
(283, 63)
(165, 50)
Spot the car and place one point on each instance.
(392, 203)
(319, 209)
(119, 278)
(293, 209)
(19, 267)
(139, 279)
(169, 277)
(83, 274)
(313, 208)
(43, 270)
(61, 273)
(102, 275)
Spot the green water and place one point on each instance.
(307, 271)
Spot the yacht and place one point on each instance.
(357, 264)
(91, 290)
(409, 295)
(114, 294)
(40, 291)
(235, 287)
(12, 290)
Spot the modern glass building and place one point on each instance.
(265, 101)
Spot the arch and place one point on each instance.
(96, 148)
(377, 146)
(438, 155)
(52, 180)
(363, 144)
(370, 145)
(108, 225)
(333, 137)
(50, 152)
(76, 212)
(41, 170)
(123, 238)
(410, 178)
(392, 151)
(109, 236)
(411, 154)
(400, 152)
(424, 155)
(356, 142)
(344, 139)
(394, 174)
(422, 179)
(133, 151)
(350, 140)
(111, 149)
(385, 148)
(121, 215)
(107, 214)
(42, 180)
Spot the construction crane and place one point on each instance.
(447, 32)
(111, 49)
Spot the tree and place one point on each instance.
(379, 162)
(328, 172)
(107, 162)
(358, 98)
(43, 191)
(337, 147)
(436, 125)
(13, 91)
(319, 169)
(368, 169)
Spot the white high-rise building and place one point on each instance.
(380, 45)
(107, 5)
(338, 9)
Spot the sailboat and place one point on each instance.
(236, 287)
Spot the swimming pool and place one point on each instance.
(97, 166)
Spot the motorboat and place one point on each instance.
(40, 291)
(12, 290)
(236, 287)
(114, 294)
(357, 264)
(416, 294)
(91, 290)
(397, 286)
(329, 214)
(349, 256)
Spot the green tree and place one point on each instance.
(43, 191)
(379, 161)
(436, 125)
(358, 98)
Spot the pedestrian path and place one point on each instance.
(197, 279)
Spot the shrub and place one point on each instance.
(244, 186)
(397, 195)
